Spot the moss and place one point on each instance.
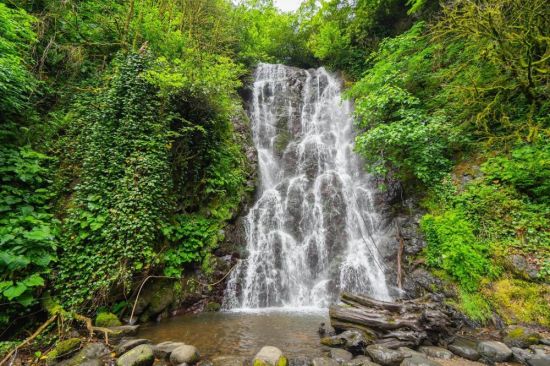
(518, 301)
(63, 348)
(213, 306)
(475, 306)
(283, 361)
(107, 320)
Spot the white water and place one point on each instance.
(313, 231)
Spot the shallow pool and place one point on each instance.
(243, 333)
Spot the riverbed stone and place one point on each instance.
(539, 360)
(141, 355)
(419, 361)
(87, 355)
(127, 344)
(270, 356)
(520, 337)
(436, 352)
(494, 351)
(163, 350)
(229, 361)
(409, 352)
(361, 360)
(184, 354)
(340, 355)
(384, 355)
(465, 348)
(324, 361)
(299, 361)
(122, 331)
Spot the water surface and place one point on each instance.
(243, 333)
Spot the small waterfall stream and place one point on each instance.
(314, 230)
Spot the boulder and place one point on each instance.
(340, 355)
(141, 355)
(63, 349)
(122, 331)
(352, 340)
(539, 360)
(419, 361)
(465, 348)
(436, 352)
(360, 361)
(229, 361)
(107, 320)
(521, 355)
(520, 337)
(494, 351)
(545, 341)
(87, 355)
(324, 361)
(163, 350)
(270, 356)
(126, 345)
(408, 352)
(184, 354)
(385, 356)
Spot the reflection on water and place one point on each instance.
(243, 333)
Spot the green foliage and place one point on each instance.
(192, 237)
(475, 306)
(122, 197)
(453, 247)
(27, 228)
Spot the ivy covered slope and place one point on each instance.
(456, 106)
(120, 156)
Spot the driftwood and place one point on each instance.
(395, 324)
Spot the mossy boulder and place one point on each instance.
(63, 349)
(107, 320)
(521, 337)
(212, 306)
(270, 356)
(141, 355)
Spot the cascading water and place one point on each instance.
(313, 230)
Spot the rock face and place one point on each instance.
(464, 347)
(163, 350)
(139, 356)
(436, 352)
(494, 351)
(385, 356)
(270, 356)
(184, 355)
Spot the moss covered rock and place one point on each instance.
(142, 355)
(521, 337)
(107, 320)
(63, 349)
(270, 356)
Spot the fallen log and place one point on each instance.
(405, 323)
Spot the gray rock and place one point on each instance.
(88, 354)
(520, 337)
(539, 360)
(361, 361)
(94, 362)
(268, 356)
(352, 340)
(521, 355)
(141, 355)
(436, 352)
(122, 331)
(126, 345)
(229, 361)
(419, 361)
(464, 347)
(494, 351)
(184, 354)
(545, 341)
(163, 350)
(324, 361)
(408, 352)
(340, 355)
(385, 356)
(540, 349)
(299, 361)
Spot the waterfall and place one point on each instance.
(314, 230)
